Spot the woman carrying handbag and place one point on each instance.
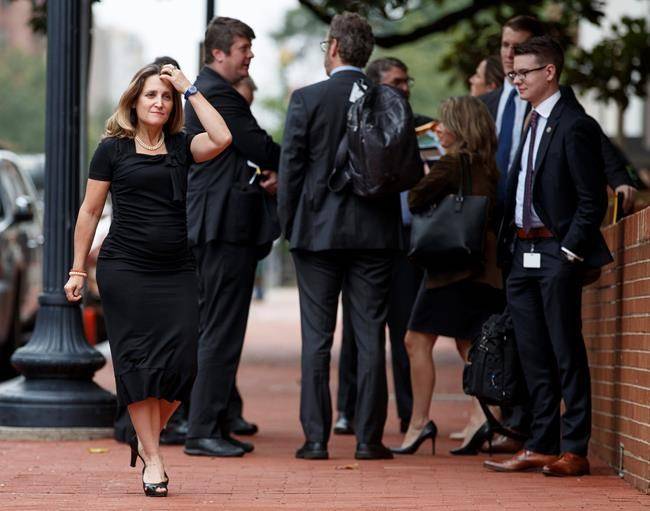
(458, 293)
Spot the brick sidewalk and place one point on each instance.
(67, 476)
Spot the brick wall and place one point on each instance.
(616, 315)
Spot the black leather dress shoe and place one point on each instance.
(240, 426)
(373, 452)
(245, 446)
(343, 425)
(174, 434)
(313, 451)
(403, 426)
(218, 447)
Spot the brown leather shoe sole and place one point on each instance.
(550, 473)
(498, 467)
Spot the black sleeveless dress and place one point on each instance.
(145, 271)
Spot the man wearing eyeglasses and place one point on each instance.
(555, 201)
(338, 241)
(509, 111)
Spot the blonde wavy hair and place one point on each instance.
(124, 121)
(470, 120)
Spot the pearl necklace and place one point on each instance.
(155, 147)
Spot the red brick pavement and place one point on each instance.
(67, 476)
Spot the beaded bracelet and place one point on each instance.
(78, 273)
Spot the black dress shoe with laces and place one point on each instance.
(373, 452)
(246, 446)
(343, 425)
(313, 451)
(218, 447)
(240, 426)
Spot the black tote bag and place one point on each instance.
(451, 234)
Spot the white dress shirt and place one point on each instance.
(520, 114)
(544, 110)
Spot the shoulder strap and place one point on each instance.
(465, 185)
(339, 178)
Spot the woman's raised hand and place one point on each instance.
(175, 76)
(74, 287)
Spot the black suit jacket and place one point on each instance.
(569, 192)
(313, 217)
(210, 183)
(615, 163)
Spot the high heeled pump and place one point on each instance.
(153, 489)
(430, 431)
(135, 454)
(482, 434)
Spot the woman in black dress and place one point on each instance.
(452, 303)
(145, 272)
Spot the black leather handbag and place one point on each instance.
(493, 372)
(451, 234)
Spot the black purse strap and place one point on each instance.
(465, 183)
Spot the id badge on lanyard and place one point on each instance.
(532, 259)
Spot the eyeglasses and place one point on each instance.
(402, 81)
(522, 73)
(324, 45)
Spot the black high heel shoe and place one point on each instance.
(482, 434)
(135, 454)
(153, 489)
(429, 431)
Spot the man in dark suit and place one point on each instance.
(232, 222)
(405, 283)
(509, 109)
(337, 240)
(500, 103)
(555, 202)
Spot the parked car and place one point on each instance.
(21, 256)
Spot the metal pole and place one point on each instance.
(209, 12)
(56, 389)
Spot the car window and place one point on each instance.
(14, 179)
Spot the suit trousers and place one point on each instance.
(405, 283)
(545, 304)
(226, 275)
(365, 275)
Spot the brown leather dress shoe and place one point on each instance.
(569, 464)
(522, 461)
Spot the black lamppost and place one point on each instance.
(56, 389)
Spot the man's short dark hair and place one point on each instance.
(494, 74)
(546, 49)
(376, 69)
(524, 23)
(354, 36)
(221, 33)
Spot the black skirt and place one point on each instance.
(457, 310)
(152, 325)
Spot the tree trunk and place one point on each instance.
(620, 130)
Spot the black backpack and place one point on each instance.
(378, 154)
(493, 373)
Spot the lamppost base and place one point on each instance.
(55, 403)
(54, 434)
